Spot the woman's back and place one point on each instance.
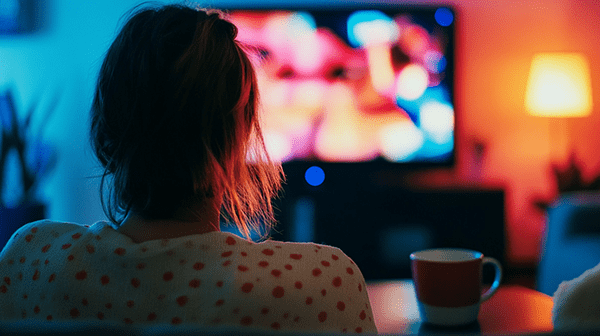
(61, 271)
(175, 125)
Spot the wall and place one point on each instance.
(497, 40)
(495, 43)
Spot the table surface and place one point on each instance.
(512, 309)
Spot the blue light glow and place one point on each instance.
(314, 176)
(444, 17)
(370, 26)
(435, 61)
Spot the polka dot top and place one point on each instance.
(61, 271)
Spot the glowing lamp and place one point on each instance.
(559, 86)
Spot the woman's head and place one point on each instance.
(175, 118)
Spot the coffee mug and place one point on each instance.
(448, 284)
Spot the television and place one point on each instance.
(354, 95)
(354, 86)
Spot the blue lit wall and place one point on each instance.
(63, 58)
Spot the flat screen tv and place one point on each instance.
(354, 86)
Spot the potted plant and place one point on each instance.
(24, 161)
(569, 178)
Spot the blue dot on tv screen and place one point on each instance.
(314, 176)
(444, 17)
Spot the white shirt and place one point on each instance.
(62, 271)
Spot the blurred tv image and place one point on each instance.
(353, 85)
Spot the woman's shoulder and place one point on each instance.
(269, 245)
(40, 232)
(298, 247)
(306, 252)
(46, 226)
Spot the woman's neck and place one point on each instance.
(185, 222)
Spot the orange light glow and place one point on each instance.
(559, 86)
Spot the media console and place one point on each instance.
(379, 229)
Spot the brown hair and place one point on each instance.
(175, 119)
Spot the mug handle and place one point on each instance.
(488, 294)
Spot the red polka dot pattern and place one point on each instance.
(247, 287)
(168, 276)
(337, 282)
(182, 300)
(246, 321)
(194, 283)
(278, 292)
(81, 275)
(272, 285)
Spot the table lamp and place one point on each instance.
(559, 86)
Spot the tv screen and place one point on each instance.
(358, 84)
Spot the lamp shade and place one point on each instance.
(559, 86)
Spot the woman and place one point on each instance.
(175, 125)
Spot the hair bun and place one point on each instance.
(219, 22)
